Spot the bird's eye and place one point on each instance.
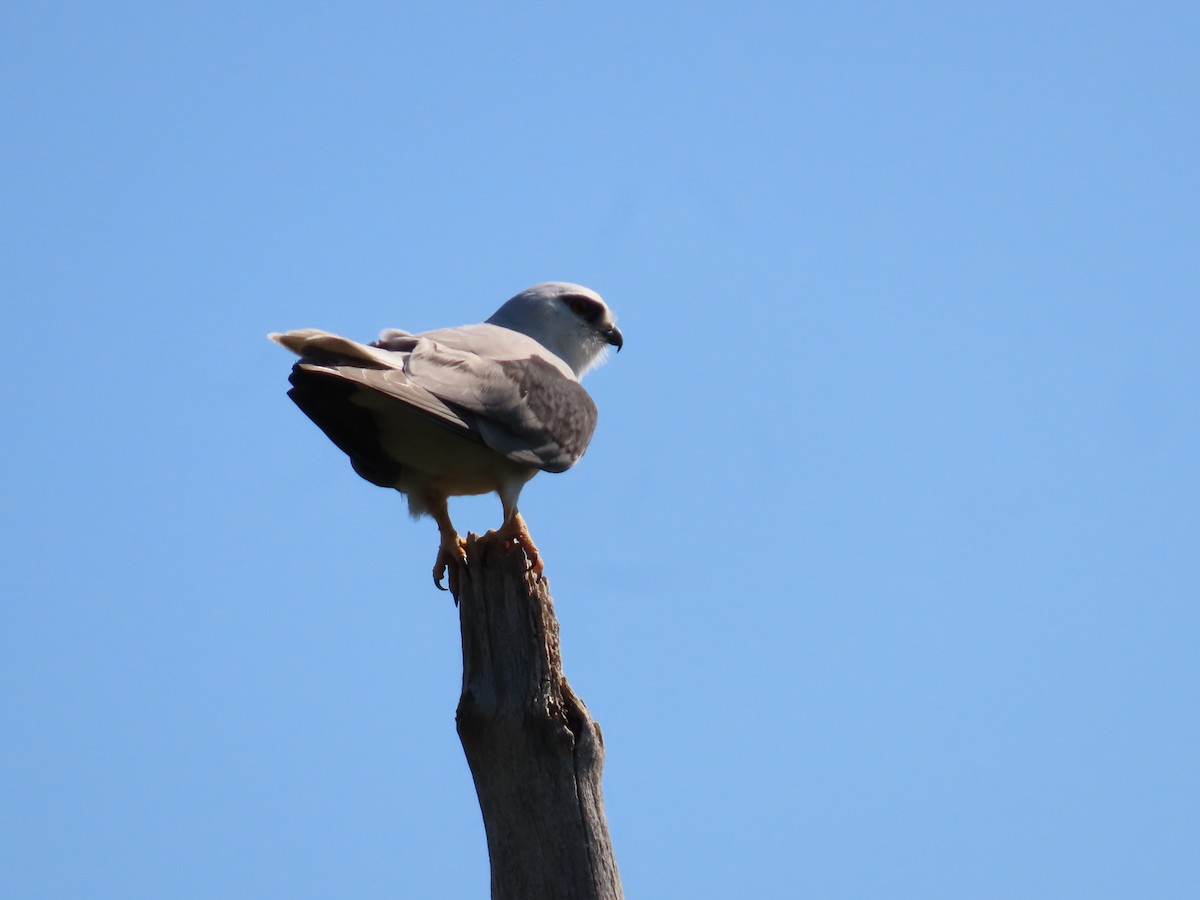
(584, 307)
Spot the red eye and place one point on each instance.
(584, 307)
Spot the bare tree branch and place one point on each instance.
(535, 752)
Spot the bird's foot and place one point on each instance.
(516, 531)
(452, 557)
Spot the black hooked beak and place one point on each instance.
(612, 335)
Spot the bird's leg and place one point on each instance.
(515, 529)
(452, 554)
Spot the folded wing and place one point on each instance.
(483, 382)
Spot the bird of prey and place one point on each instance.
(466, 410)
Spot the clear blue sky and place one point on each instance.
(880, 575)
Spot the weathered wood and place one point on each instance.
(535, 753)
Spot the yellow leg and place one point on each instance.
(452, 554)
(514, 529)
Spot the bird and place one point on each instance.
(468, 410)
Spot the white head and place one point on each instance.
(570, 321)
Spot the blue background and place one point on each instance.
(880, 574)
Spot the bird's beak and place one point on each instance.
(612, 335)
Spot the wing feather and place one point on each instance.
(484, 382)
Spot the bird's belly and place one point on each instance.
(435, 457)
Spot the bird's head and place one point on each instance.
(572, 322)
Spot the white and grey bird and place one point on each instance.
(466, 410)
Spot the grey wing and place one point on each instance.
(483, 382)
(395, 384)
(350, 390)
(378, 367)
(526, 404)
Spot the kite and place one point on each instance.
(460, 411)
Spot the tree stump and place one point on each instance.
(535, 753)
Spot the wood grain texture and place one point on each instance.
(535, 752)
